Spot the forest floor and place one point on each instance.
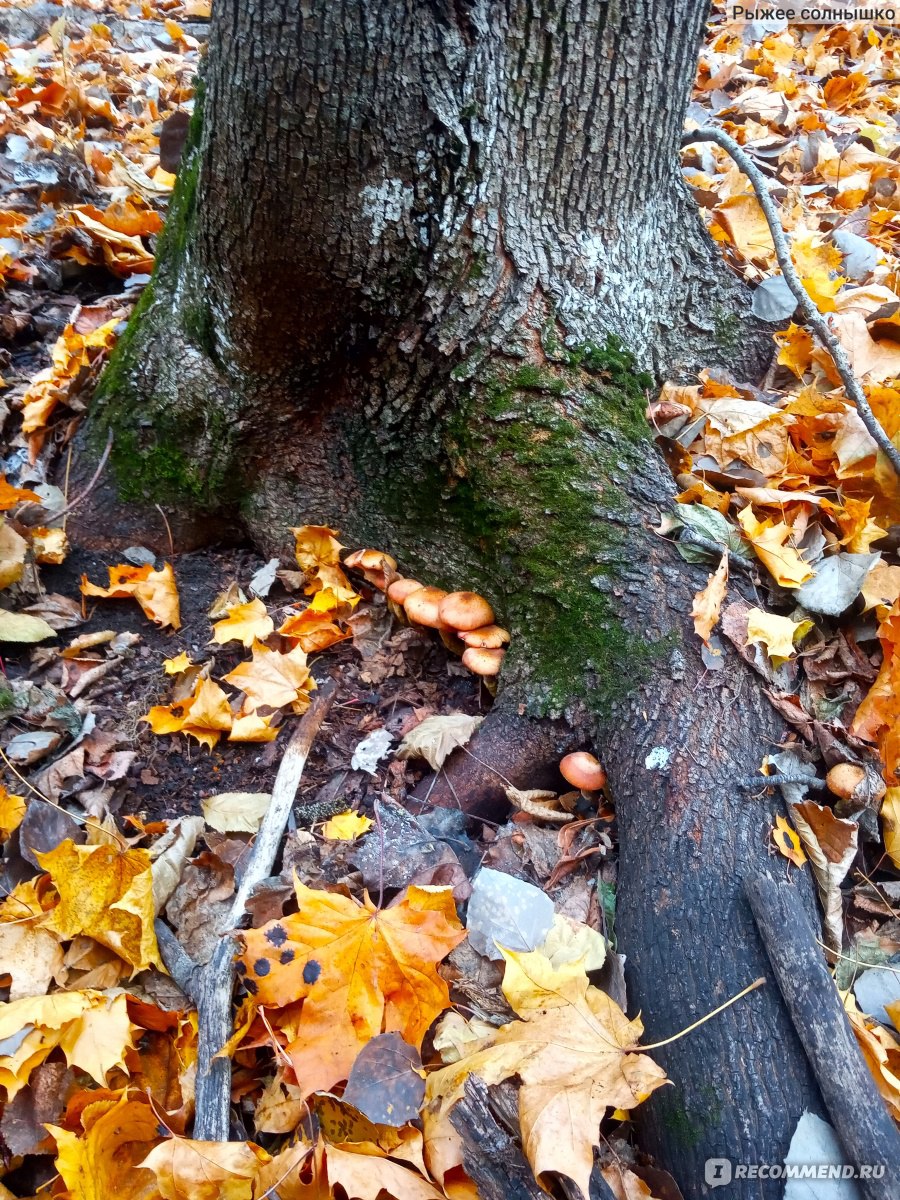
(123, 752)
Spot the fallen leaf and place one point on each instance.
(20, 627)
(708, 601)
(236, 812)
(770, 543)
(576, 1054)
(102, 1161)
(787, 842)
(107, 894)
(831, 844)
(359, 971)
(435, 738)
(245, 623)
(155, 591)
(274, 680)
(776, 633)
(346, 827)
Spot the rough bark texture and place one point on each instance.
(406, 253)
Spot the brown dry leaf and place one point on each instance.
(359, 971)
(274, 680)
(831, 845)
(576, 1054)
(102, 1162)
(30, 954)
(189, 1170)
(106, 893)
(770, 543)
(155, 591)
(708, 602)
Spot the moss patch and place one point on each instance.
(532, 509)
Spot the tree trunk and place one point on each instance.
(424, 264)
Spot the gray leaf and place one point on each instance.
(773, 300)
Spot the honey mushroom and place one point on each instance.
(374, 565)
(397, 593)
(583, 771)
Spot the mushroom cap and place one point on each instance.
(370, 560)
(422, 606)
(466, 610)
(844, 778)
(483, 661)
(487, 637)
(401, 588)
(583, 771)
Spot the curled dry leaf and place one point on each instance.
(435, 738)
(155, 591)
(708, 602)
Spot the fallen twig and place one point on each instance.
(857, 1112)
(86, 491)
(211, 987)
(810, 313)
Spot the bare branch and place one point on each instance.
(810, 313)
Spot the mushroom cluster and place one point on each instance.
(464, 620)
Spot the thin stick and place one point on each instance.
(751, 987)
(271, 831)
(857, 1111)
(811, 315)
(216, 981)
(85, 492)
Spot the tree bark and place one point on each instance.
(424, 265)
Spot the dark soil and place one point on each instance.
(172, 774)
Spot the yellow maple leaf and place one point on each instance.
(252, 728)
(13, 549)
(205, 715)
(106, 893)
(787, 842)
(273, 679)
(740, 221)
(708, 602)
(817, 262)
(316, 546)
(174, 666)
(155, 591)
(359, 971)
(576, 1054)
(881, 588)
(102, 1161)
(245, 623)
(777, 634)
(95, 1045)
(313, 629)
(346, 826)
(12, 812)
(769, 541)
(797, 346)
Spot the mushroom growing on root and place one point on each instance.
(423, 607)
(583, 771)
(374, 565)
(486, 663)
(488, 637)
(463, 611)
(397, 593)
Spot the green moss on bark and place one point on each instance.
(531, 509)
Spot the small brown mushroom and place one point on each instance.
(374, 565)
(483, 662)
(401, 588)
(466, 610)
(583, 771)
(422, 607)
(855, 784)
(397, 593)
(488, 637)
